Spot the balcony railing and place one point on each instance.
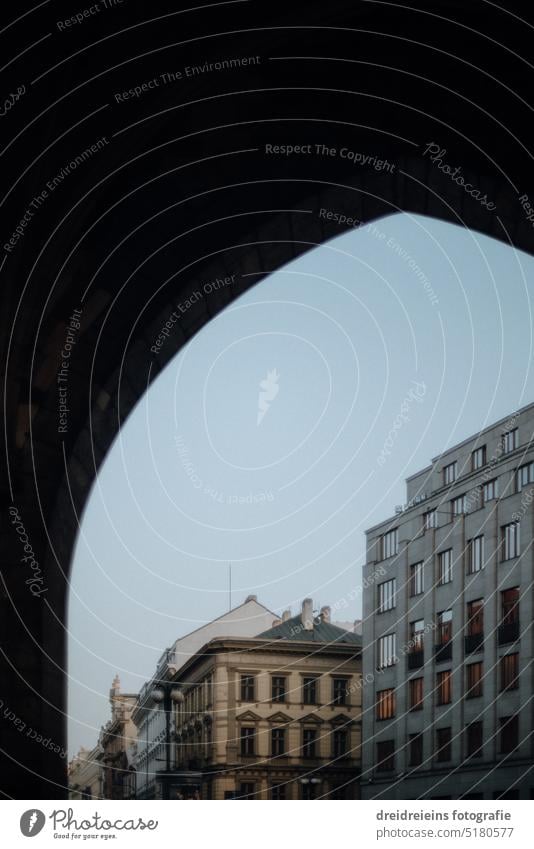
(474, 642)
(416, 659)
(443, 651)
(508, 633)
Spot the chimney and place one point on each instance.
(251, 598)
(286, 615)
(325, 614)
(276, 622)
(307, 614)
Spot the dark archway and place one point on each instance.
(134, 201)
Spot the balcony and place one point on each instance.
(474, 643)
(508, 633)
(443, 651)
(416, 659)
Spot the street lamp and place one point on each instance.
(167, 693)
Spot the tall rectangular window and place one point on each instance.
(309, 743)
(389, 544)
(444, 627)
(473, 683)
(443, 744)
(524, 476)
(339, 691)
(339, 743)
(417, 634)
(478, 458)
(309, 690)
(386, 595)
(475, 617)
(416, 693)
(417, 583)
(510, 671)
(491, 490)
(415, 746)
(445, 567)
(385, 755)
(444, 687)
(475, 554)
(509, 441)
(278, 742)
(510, 606)
(449, 473)
(248, 741)
(474, 739)
(430, 520)
(508, 734)
(510, 540)
(385, 704)
(278, 688)
(387, 648)
(458, 506)
(248, 688)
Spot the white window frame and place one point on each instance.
(445, 570)
(387, 651)
(387, 592)
(450, 473)
(476, 554)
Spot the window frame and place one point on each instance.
(247, 741)
(280, 696)
(390, 656)
(389, 544)
(309, 746)
(444, 687)
(509, 679)
(476, 454)
(386, 704)
(510, 541)
(278, 741)
(415, 698)
(450, 473)
(309, 683)
(417, 578)
(508, 444)
(475, 554)
(445, 575)
(387, 595)
(474, 679)
(244, 686)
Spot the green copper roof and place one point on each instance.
(323, 632)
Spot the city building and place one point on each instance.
(85, 774)
(245, 620)
(271, 717)
(117, 741)
(447, 627)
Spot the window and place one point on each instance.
(449, 473)
(445, 567)
(510, 606)
(474, 739)
(524, 476)
(389, 544)
(278, 688)
(444, 629)
(458, 506)
(247, 790)
(339, 743)
(386, 595)
(473, 673)
(475, 554)
(309, 743)
(385, 704)
(478, 458)
(509, 441)
(430, 520)
(443, 744)
(308, 790)
(509, 733)
(417, 633)
(416, 693)
(278, 742)
(510, 540)
(385, 755)
(309, 690)
(416, 578)
(510, 671)
(475, 617)
(339, 691)
(248, 688)
(444, 687)
(278, 792)
(415, 746)
(387, 647)
(491, 490)
(248, 741)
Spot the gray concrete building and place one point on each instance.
(448, 708)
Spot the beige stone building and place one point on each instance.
(277, 716)
(117, 741)
(85, 774)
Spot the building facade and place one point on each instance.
(85, 774)
(117, 741)
(448, 706)
(245, 620)
(273, 717)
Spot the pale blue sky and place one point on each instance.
(349, 329)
